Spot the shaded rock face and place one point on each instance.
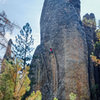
(7, 55)
(8, 50)
(64, 70)
(76, 4)
(89, 23)
(89, 28)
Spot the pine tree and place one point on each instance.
(24, 43)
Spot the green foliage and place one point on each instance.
(35, 96)
(96, 54)
(72, 96)
(6, 83)
(89, 22)
(98, 34)
(24, 44)
(14, 81)
(55, 98)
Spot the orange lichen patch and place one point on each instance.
(98, 61)
(76, 81)
(79, 89)
(95, 59)
(54, 72)
(98, 34)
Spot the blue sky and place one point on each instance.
(88, 6)
(22, 11)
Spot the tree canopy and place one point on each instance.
(24, 44)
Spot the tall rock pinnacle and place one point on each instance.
(89, 24)
(59, 65)
(57, 13)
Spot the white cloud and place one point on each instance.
(9, 36)
(36, 37)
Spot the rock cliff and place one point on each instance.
(89, 23)
(59, 65)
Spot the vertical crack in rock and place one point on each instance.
(54, 72)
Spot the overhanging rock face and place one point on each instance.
(63, 70)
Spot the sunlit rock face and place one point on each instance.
(62, 71)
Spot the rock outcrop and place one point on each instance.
(7, 55)
(97, 67)
(63, 70)
(89, 23)
(8, 50)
